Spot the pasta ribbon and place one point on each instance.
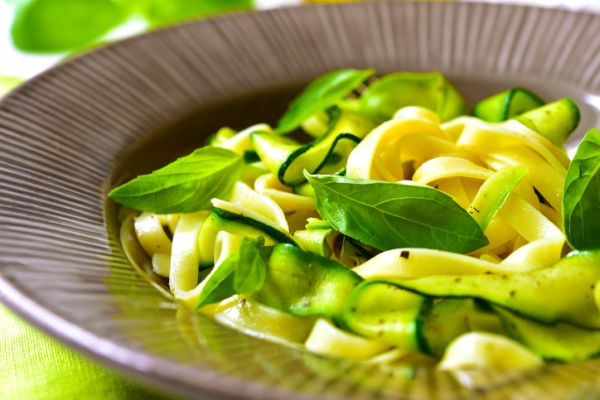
(258, 320)
(185, 257)
(241, 142)
(412, 263)
(224, 245)
(244, 200)
(327, 339)
(154, 240)
(270, 186)
(377, 155)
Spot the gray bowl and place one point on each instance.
(69, 134)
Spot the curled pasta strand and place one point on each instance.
(326, 339)
(365, 161)
(483, 137)
(241, 142)
(225, 244)
(545, 239)
(449, 167)
(270, 186)
(260, 207)
(155, 241)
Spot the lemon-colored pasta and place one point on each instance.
(241, 142)
(246, 201)
(376, 156)
(411, 263)
(286, 199)
(478, 350)
(325, 338)
(154, 241)
(258, 320)
(185, 256)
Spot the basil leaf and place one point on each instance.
(320, 94)
(161, 12)
(52, 26)
(251, 270)
(242, 272)
(581, 201)
(218, 285)
(430, 89)
(387, 215)
(186, 185)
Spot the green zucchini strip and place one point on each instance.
(563, 292)
(432, 90)
(306, 284)
(328, 154)
(555, 121)
(383, 311)
(560, 342)
(506, 105)
(222, 220)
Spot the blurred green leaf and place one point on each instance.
(7, 83)
(52, 26)
(163, 12)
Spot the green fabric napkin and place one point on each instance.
(35, 366)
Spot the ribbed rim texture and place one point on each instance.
(62, 133)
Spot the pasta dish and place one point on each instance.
(377, 219)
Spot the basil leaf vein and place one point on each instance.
(321, 94)
(387, 215)
(581, 201)
(186, 185)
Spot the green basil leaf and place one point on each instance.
(186, 185)
(52, 26)
(218, 285)
(388, 215)
(161, 12)
(242, 272)
(321, 94)
(251, 270)
(581, 201)
(426, 89)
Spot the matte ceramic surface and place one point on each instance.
(70, 134)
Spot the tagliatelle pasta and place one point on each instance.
(295, 263)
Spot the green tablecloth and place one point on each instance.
(35, 366)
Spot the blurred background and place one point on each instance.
(36, 34)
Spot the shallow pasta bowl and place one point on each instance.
(76, 130)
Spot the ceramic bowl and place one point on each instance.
(71, 133)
